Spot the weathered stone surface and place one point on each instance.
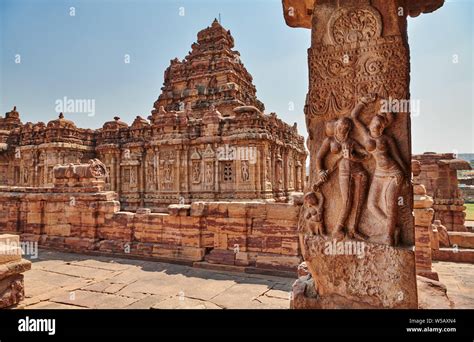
(458, 278)
(92, 174)
(9, 239)
(360, 151)
(432, 294)
(9, 253)
(12, 290)
(14, 267)
(11, 267)
(423, 249)
(380, 276)
(303, 270)
(454, 254)
(423, 217)
(460, 239)
(10, 249)
(253, 234)
(443, 235)
(438, 173)
(426, 235)
(55, 275)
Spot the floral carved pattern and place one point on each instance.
(341, 74)
(349, 25)
(356, 61)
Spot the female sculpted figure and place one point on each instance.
(390, 171)
(352, 176)
(196, 172)
(245, 171)
(311, 220)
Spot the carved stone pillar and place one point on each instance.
(423, 212)
(358, 218)
(118, 160)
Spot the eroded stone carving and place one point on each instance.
(209, 173)
(389, 174)
(358, 60)
(196, 171)
(245, 171)
(352, 176)
(94, 169)
(354, 24)
(311, 219)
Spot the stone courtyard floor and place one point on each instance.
(72, 281)
(459, 279)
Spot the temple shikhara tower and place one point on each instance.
(207, 139)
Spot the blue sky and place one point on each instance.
(82, 57)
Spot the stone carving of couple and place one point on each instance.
(387, 179)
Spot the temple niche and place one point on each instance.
(207, 138)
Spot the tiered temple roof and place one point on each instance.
(212, 73)
(208, 103)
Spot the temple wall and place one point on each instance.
(439, 175)
(153, 177)
(247, 234)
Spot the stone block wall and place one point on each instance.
(439, 176)
(261, 235)
(249, 234)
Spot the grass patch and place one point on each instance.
(469, 211)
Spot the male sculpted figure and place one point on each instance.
(352, 176)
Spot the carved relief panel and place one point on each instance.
(133, 176)
(209, 157)
(151, 169)
(167, 169)
(126, 177)
(196, 167)
(245, 171)
(196, 173)
(360, 150)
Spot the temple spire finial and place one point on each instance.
(216, 22)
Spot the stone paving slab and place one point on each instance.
(459, 280)
(179, 302)
(147, 302)
(93, 300)
(66, 281)
(60, 280)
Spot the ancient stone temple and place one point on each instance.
(207, 139)
(356, 223)
(439, 175)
